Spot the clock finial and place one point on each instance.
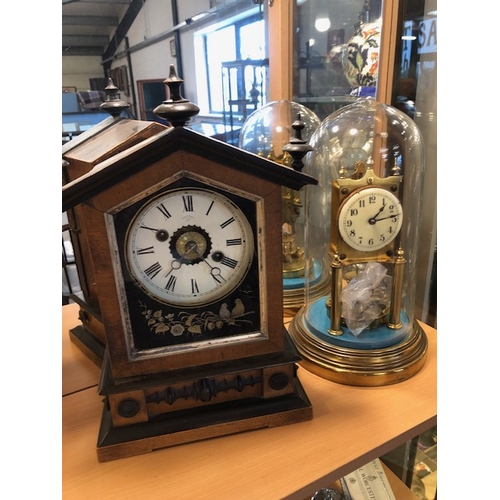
(297, 147)
(113, 104)
(177, 110)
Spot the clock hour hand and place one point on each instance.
(373, 220)
(174, 265)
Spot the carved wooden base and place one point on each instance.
(197, 403)
(203, 423)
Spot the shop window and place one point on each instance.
(151, 93)
(217, 47)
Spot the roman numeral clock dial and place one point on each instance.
(189, 247)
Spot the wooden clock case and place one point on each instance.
(80, 155)
(189, 394)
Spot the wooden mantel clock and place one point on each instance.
(184, 233)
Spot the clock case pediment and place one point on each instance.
(162, 145)
(180, 154)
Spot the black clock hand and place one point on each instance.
(388, 217)
(373, 220)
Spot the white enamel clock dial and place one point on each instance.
(370, 219)
(189, 247)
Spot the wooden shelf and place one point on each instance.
(351, 426)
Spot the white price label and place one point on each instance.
(369, 483)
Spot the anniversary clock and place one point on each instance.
(280, 131)
(362, 227)
(183, 231)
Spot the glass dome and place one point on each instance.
(268, 129)
(361, 226)
(266, 132)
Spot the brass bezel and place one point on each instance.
(342, 189)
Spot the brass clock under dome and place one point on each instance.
(362, 224)
(280, 131)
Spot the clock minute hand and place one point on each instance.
(214, 271)
(388, 217)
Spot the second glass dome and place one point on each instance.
(266, 132)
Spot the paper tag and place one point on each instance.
(369, 483)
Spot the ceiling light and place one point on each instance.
(322, 24)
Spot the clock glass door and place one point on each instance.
(190, 266)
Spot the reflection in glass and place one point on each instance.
(335, 52)
(415, 93)
(267, 132)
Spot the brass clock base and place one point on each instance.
(293, 289)
(368, 368)
(293, 300)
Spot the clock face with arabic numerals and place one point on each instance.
(370, 218)
(189, 247)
